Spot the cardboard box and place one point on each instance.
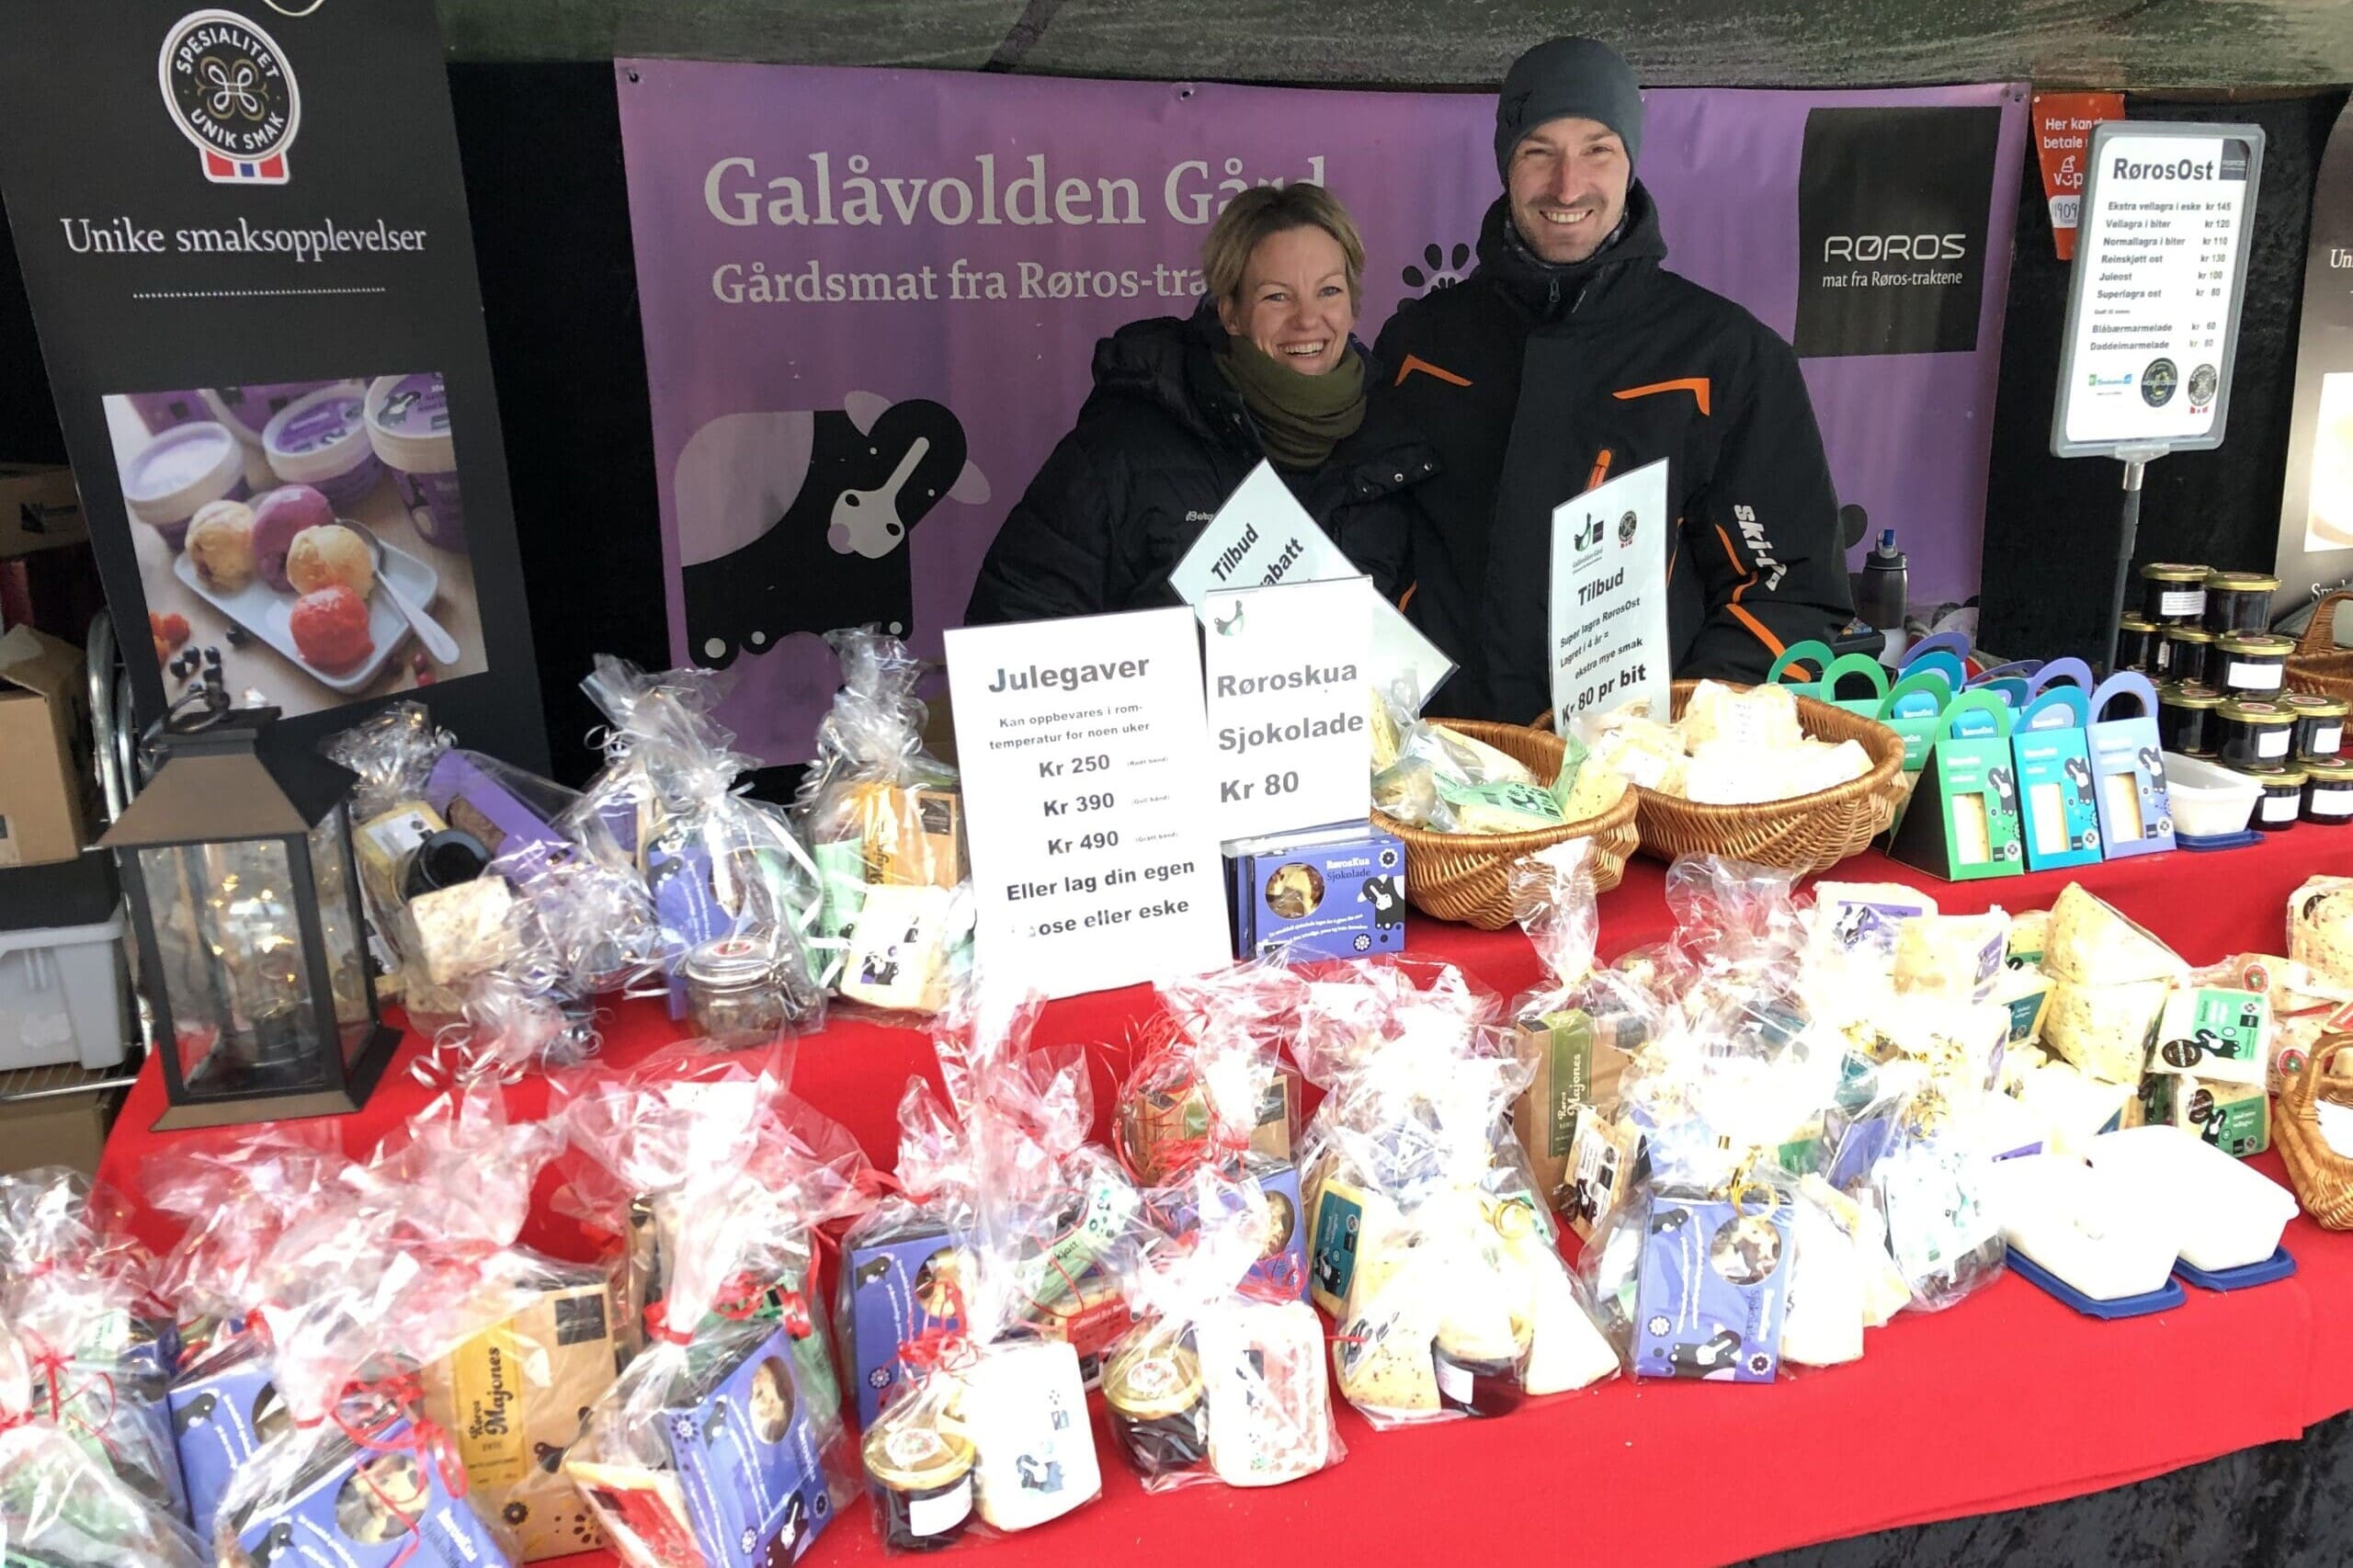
(1330, 892)
(40, 509)
(1576, 1062)
(512, 1399)
(2235, 1117)
(64, 1129)
(895, 1289)
(44, 735)
(1714, 1287)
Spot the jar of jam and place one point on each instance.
(2255, 663)
(734, 991)
(921, 1474)
(2320, 724)
(2185, 653)
(1153, 1390)
(2253, 734)
(1478, 1373)
(2328, 792)
(2283, 801)
(2136, 644)
(2186, 721)
(2239, 601)
(2173, 594)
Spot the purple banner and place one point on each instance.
(871, 300)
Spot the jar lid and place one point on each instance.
(2135, 623)
(2188, 634)
(1154, 1379)
(2286, 776)
(2189, 697)
(910, 1451)
(2258, 644)
(2173, 571)
(444, 859)
(2242, 582)
(2328, 770)
(2262, 714)
(730, 961)
(2313, 705)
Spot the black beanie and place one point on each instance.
(1567, 76)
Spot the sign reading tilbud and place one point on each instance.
(1608, 606)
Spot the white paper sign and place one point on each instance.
(1263, 537)
(1289, 700)
(2152, 308)
(1609, 619)
(1087, 801)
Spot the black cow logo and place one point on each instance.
(1039, 1475)
(195, 1412)
(2005, 790)
(2079, 774)
(1388, 907)
(798, 522)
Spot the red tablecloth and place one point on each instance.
(2007, 1400)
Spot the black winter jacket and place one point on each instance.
(1533, 380)
(1161, 442)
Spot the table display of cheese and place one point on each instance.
(1797, 1117)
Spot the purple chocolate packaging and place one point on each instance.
(471, 798)
(223, 1407)
(1284, 1265)
(1714, 1288)
(358, 1510)
(1333, 892)
(746, 1457)
(892, 1286)
(685, 905)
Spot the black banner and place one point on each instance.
(244, 233)
(1892, 215)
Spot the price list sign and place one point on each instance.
(2152, 314)
(1087, 800)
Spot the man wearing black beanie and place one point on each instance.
(1568, 355)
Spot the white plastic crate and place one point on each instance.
(62, 996)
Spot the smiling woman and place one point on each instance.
(1265, 368)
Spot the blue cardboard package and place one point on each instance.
(1333, 892)
(347, 1506)
(1713, 1287)
(894, 1287)
(223, 1407)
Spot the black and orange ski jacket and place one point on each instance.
(1534, 381)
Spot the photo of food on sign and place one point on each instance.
(302, 541)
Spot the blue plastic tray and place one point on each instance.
(2278, 1265)
(2170, 1294)
(2239, 840)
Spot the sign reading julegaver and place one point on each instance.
(264, 330)
(871, 300)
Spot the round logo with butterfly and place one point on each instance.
(231, 91)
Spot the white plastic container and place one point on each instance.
(62, 996)
(2094, 1229)
(2231, 1214)
(2208, 800)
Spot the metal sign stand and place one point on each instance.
(2136, 461)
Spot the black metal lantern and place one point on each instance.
(252, 950)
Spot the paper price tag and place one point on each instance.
(1289, 695)
(1609, 608)
(1087, 801)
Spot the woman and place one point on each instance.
(1185, 407)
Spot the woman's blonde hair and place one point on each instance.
(1265, 210)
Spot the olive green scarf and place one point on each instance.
(1300, 418)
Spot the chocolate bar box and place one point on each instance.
(383, 1506)
(223, 1406)
(1331, 892)
(894, 1289)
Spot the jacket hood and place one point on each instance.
(1546, 289)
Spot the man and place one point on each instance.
(1569, 355)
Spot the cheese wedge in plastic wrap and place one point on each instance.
(2072, 1107)
(1884, 1293)
(1565, 1350)
(2091, 944)
(2030, 937)
(1823, 1322)
(1954, 958)
(2104, 1029)
(1849, 916)
(1381, 1356)
(1759, 718)
(2320, 926)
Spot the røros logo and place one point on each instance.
(1894, 248)
(2157, 382)
(231, 91)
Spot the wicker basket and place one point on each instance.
(1466, 877)
(2318, 665)
(1807, 833)
(2323, 1177)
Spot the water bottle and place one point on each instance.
(1882, 599)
